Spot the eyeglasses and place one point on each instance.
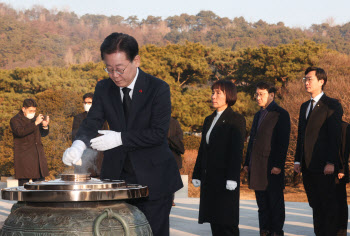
(119, 72)
(307, 79)
(256, 95)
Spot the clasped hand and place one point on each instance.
(40, 119)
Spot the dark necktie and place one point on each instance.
(312, 102)
(128, 169)
(126, 103)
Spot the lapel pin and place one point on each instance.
(223, 121)
(140, 91)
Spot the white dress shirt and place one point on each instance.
(316, 99)
(131, 87)
(218, 114)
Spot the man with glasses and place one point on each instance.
(137, 108)
(266, 156)
(317, 152)
(29, 156)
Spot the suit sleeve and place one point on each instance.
(22, 130)
(298, 151)
(44, 132)
(159, 123)
(347, 147)
(281, 140)
(236, 149)
(334, 122)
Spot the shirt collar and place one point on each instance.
(318, 97)
(132, 85)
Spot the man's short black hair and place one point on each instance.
(264, 85)
(88, 95)
(228, 88)
(29, 102)
(119, 42)
(320, 74)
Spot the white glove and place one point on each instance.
(231, 185)
(109, 140)
(196, 182)
(73, 154)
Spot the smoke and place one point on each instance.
(88, 164)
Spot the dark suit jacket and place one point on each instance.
(29, 157)
(319, 137)
(175, 136)
(267, 148)
(144, 137)
(218, 162)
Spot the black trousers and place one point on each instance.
(156, 211)
(271, 210)
(321, 193)
(224, 230)
(342, 224)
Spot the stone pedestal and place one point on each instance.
(12, 183)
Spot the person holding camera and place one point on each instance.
(29, 157)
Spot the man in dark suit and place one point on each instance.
(317, 152)
(175, 137)
(342, 180)
(92, 162)
(266, 156)
(137, 108)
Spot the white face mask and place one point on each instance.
(87, 107)
(30, 115)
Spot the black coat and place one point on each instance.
(29, 157)
(218, 162)
(144, 137)
(175, 136)
(267, 148)
(345, 152)
(319, 137)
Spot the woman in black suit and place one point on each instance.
(218, 164)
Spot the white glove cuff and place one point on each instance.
(118, 137)
(80, 145)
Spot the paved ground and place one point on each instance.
(183, 218)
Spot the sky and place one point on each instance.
(297, 13)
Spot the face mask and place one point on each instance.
(30, 115)
(87, 107)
